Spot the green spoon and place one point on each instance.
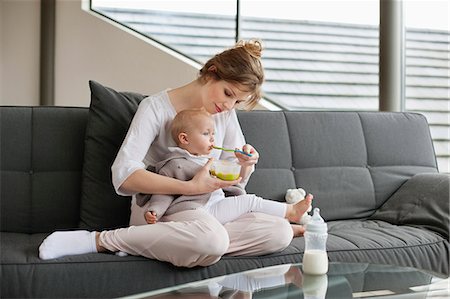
(232, 150)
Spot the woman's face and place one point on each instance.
(220, 95)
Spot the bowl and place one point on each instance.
(225, 170)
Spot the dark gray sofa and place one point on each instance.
(373, 174)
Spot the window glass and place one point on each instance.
(318, 54)
(427, 71)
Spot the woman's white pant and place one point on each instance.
(194, 237)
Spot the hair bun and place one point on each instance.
(253, 47)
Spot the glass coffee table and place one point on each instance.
(343, 280)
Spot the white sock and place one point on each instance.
(121, 253)
(63, 243)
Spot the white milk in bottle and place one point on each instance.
(315, 258)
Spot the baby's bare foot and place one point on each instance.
(296, 211)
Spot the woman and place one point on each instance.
(192, 237)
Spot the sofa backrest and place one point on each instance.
(40, 167)
(352, 162)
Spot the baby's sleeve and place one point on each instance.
(159, 203)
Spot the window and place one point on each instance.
(427, 72)
(319, 54)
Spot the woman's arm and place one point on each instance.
(129, 174)
(147, 182)
(143, 130)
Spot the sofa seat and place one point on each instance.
(380, 242)
(370, 241)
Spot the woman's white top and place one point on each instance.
(148, 138)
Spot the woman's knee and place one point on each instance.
(207, 237)
(213, 240)
(199, 236)
(279, 236)
(206, 247)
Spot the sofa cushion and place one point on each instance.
(340, 157)
(110, 114)
(274, 167)
(393, 152)
(333, 162)
(329, 149)
(422, 201)
(40, 167)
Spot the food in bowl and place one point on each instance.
(225, 170)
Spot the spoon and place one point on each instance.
(231, 150)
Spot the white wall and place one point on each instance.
(86, 48)
(90, 48)
(19, 52)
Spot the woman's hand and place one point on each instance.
(245, 160)
(203, 182)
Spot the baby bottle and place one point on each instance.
(315, 258)
(315, 286)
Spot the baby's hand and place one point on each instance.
(150, 217)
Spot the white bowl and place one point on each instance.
(225, 170)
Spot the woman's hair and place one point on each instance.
(185, 120)
(240, 65)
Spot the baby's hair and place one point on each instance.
(240, 65)
(185, 120)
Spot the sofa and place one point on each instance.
(374, 177)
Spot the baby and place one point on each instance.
(193, 132)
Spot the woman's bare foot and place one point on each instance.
(298, 230)
(100, 248)
(295, 211)
(97, 243)
(295, 276)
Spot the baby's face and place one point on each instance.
(201, 136)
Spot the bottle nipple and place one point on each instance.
(316, 216)
(317, 224)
